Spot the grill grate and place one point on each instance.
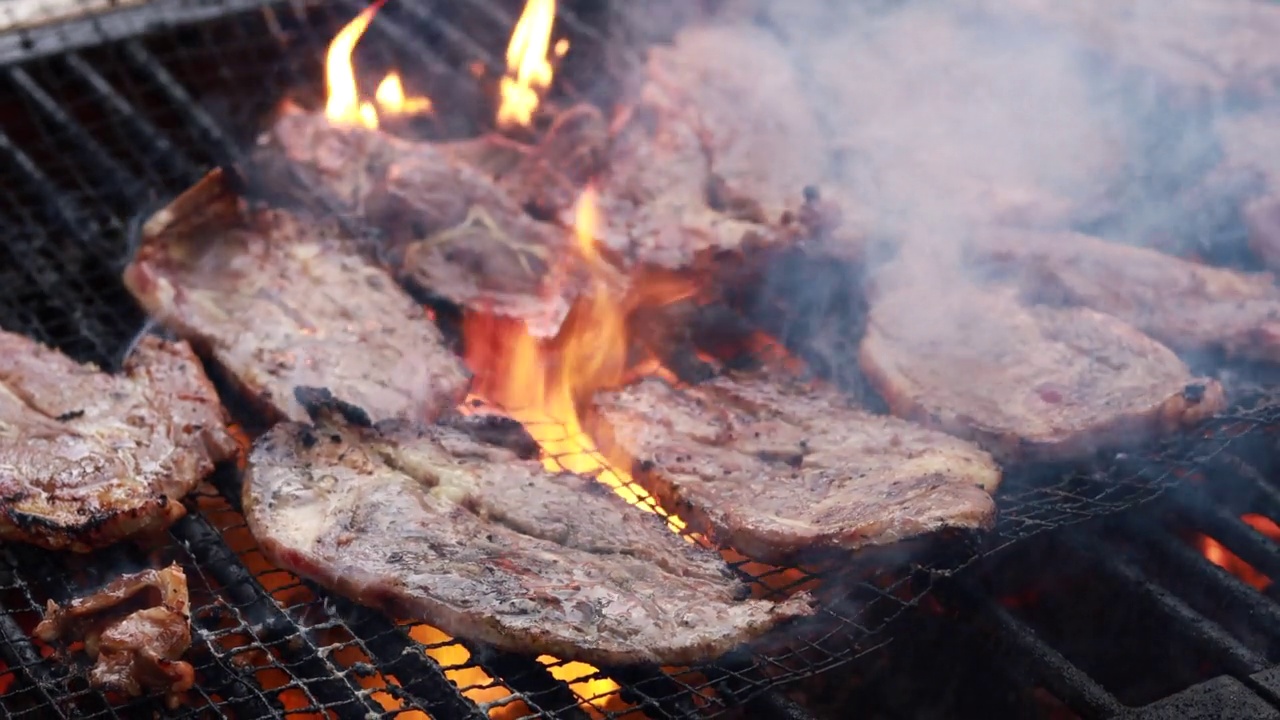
(93, 135)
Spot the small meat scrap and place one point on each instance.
(1027, 382)
(89, 458)
(136, 629)
(1186, 305)
(773, 467)
(451, 229)
(448, 524)
(280, 299)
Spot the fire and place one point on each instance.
(344, 105)
(529, 70)
(1217, 553)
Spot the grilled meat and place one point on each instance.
(1251, 146)
(451, 229)
(772, 468)
(439, 524)
(1026, 381)
(89, 458)
(279, 300)
(1185, 305)
(720, 144)
(136, 629)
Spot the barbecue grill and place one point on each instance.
(113, 111)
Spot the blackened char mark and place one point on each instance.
(496, 430)
(319, 402)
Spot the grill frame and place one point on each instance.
(93, 226)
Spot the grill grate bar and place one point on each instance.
(653, 691)
(1215, 642)
(531, 679)
(1059, 675)
(320, 676)
(62, 212)
(22, 657)
(121, 185)
(173, 161)
(1252, 546)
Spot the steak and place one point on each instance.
(451, 526)
(451, 230)
(1025, 381)
(717, 148)
(279, 300)
(89, 458)
(1185, 305)
(136, 629)
(773, 468)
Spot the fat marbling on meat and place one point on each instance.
(773, 467)
(279, 299)
(88, 458)
(447, 525)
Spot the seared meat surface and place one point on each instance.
(773, 468)
(720, 143)
(1024, 381)
(448, 525)
(279, 300)
(136, 629)
(1185, 305)
(89, 458)
(451, 229)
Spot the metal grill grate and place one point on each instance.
(92, 136)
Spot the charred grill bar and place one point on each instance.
(95, 132)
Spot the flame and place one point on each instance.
(343, 105)
(529, 71)
(1217, 553)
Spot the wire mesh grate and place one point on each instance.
(98, 134)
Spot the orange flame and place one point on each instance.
(343, 105)
(529, 71)
(1217, 553)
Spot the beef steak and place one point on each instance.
(89, 458)
(1026, 381)
(773, 468)
(279, 300)
(437, 523)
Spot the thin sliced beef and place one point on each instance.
(278, 299)
(774, 469)
(136, 629)
(89, 458)
(719, 144)
(451, 229)
(439, 524)
(1183, 304)
(1024, 381)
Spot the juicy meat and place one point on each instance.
(720, 143)
(438, 523)
(772, 468)
(89, 458)
(451, 229)
(136, 628)
(280, 300)
(1183, 304)
(1025, 381)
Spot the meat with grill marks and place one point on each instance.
(455, 216)
(775, 468)
(136, 629)
(451, 526)
(1186, 305)
(89, 458)
(278, 299)
(1027, 382)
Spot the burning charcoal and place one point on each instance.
(136, 629)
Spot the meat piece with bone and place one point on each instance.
(452, 229)
(720, 144)
(89, 458)
(439, 523)
(1185, 305)
(278, 299)
(1026, 382)
(774, 468)
(136, 629)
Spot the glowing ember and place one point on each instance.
(1216, 553)
(528, 67)
(344, 106)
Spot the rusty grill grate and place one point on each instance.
(94, 134)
